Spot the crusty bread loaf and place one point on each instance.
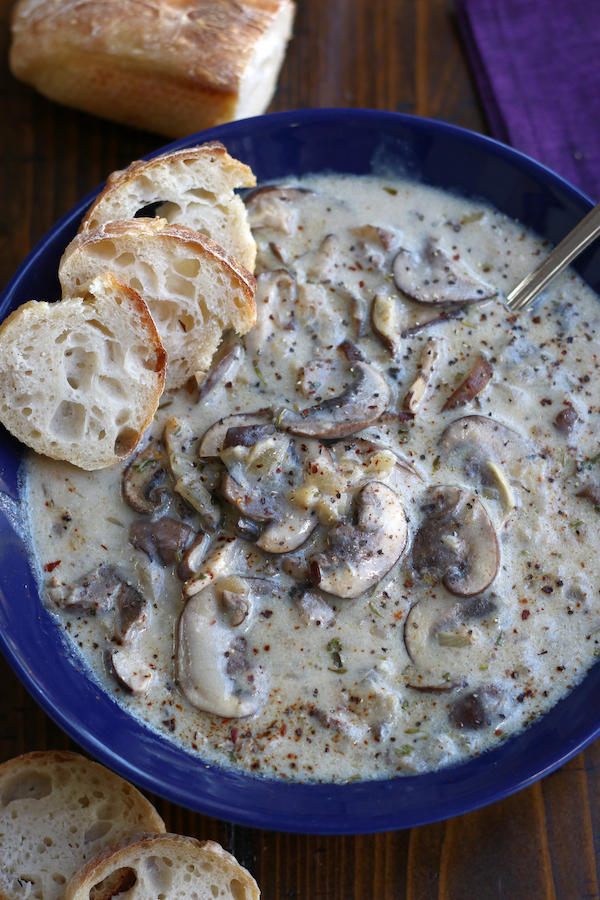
(80, 380)
(170, 66)
(165, 865)
(194, 187)
(57, 811)
(193, 288)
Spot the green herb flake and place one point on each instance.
(334, 644)
(165, 405)
(499, 639)
(459, 376)
(338, 671)
(391, 191)
(260, 374)
(373, 610)
(590, 463)
(445, 676)
(406, 750)
(436, 464)
(142, 466)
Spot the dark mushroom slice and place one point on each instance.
(477, 709)
(456, 543)
(224, 367)
(358, 307)
(164, 539)
(143, 477)
(434, 278)
(253, 505)
(447, 642)
(97, 590)
(445, 316)
(477, 379)
(213, 441)
(212, 663)
(130, 668)
(131, 614)
(361, 553)
(361, 404)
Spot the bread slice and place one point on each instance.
(80, 380)
(171, 66)
(194, 187)
(193, 288)
(57, 811)
(170, 866)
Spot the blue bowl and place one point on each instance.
(276, 146)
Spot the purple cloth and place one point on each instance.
(537, 68)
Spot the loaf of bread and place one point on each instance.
(164, 865)
(170, 66)
(194, 187)
(194, 289)
(80, 380)
(57, 811)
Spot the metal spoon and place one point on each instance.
(570, 247)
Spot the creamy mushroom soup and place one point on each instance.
(366, 547)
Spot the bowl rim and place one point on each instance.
(351, 808)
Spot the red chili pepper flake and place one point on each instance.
(283, 728)
(525, 614)
(546, 402)
(234, 734)
(49, 567)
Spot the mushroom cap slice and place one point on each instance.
(214, 439)
(491, 437)
(361, 404)
(361, 554)
(289, 534)
(144, 474)
(206, 645)
(130, 669)
(456, 543)
(445, 644)
(433, 277)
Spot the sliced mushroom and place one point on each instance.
(446, 642)
(193, 557)
(164, 538)
(320, 265)
(213, 441)
(288, 534)
(356, 408)
(131, 614)
(375, 243)
(187, 470)
(225, 365)
(477, 709)
(428, 358)
(480, 438)
(96, 590)
(477, 379)
(253, 505)
(434, 277)
(314, 377)
(211, 663)
(386, 322)
(445, 316)
(130, 669)
(312, 609)
(358, 307)
(274, 206)
(142, 479)
(219, 562)
(361, 554)
(456, 543)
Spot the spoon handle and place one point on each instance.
(575, 242)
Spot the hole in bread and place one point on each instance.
(125, 260)
(30, 786)
(100, 326)
(35, 434)
(175, 284)
(172, 212)
(117, 882)
(158, 872)
(123, 417)
(112, 387)
(214, 890)
(148, 212)
(84, 801)
(239, 302)
(136, 284)
(104, 250)
(238, 891)
(186, 323)
(68, 422)
(203, 195)
(140, 353)
(61, 337)
(27, 411)
(126, 442)
(189, 268)
(96, 831)
(58, 878)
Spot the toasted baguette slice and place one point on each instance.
(195, 187)
(171, 66)
(57, 811)
(80, 380)
(193, 288)
(166, 865)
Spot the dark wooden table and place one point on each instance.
(405, 55)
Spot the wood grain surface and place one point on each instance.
(403, 55)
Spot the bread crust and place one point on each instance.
(219, 296)
(171, 66)
(63, 393)
(174, 180)
(61, 800)
(203, 862)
